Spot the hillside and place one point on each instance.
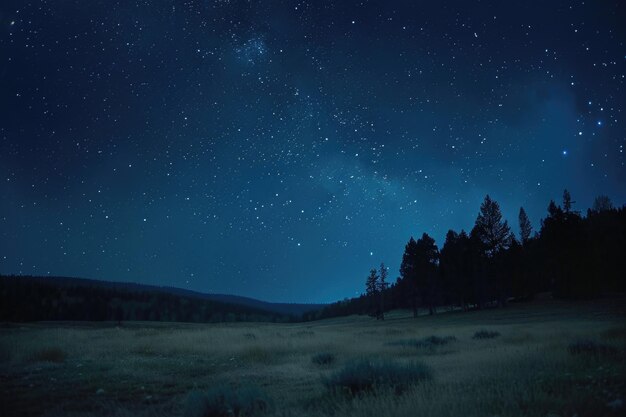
(27, 298)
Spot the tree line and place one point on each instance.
(26, 298)
(571, 255)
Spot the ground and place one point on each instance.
(533, 368)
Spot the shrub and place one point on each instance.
(258, 354)
(589, 347)
(303, 333)
(436, 340)
(485, 334)
(144, 350)
(430, 343)
(363, 376)
(224, 401)
(50, 355)
(324, 358)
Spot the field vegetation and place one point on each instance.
(550, 358)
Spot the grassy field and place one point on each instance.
(546, 358)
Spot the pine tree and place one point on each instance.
(525, 228)
(492, 231)
(494, 236)
(382, 285)
(567, 202)
(408, 272)
(371, 289)
(427, 260)
(602, 203)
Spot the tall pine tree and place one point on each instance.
(525, 228)
(382, 286)
(493, 232)
(371, 290)
(408, 273)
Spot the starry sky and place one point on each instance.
(281, 149)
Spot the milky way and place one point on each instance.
(281, 149)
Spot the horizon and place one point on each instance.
(280, 153)
(165, 285)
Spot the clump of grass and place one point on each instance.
(366, 376)
(52, 354)
(250, 336)
(258, 354)
(618, 332)
(303, 333)
(143, 350)
(590, 348)
(430, 343)
(392, 332)
(224, 401)
(323, 358)
(485, 334)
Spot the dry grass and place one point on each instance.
(150, 368)
(51, 354)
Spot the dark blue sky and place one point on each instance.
(281, 149)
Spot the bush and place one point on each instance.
(485, 334)
(303, 333)
(50, 355)
(363, 376)
(428, 342)
(324, 358)
(258, 354)
(224, 401)
(591, 348)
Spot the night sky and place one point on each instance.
(281, 149)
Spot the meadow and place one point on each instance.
(544, 358)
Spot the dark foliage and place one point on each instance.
(224, 401)
(572, 256)
(590, 348)
(485, 334)
(56, 299)
(525, 228)
(364, 376)
(323, 358)
(52, 354)
(418, 270)
(429, 343)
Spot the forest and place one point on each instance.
(26, 298)
(573, 256)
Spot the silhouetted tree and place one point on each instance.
(408, 273)
(371, 290)
(493, 232)
(525, 228)
(494, 235)
(565, 251)
(567, 202)
(426, 262)
(602, 203)
(382, 288)
(450, 269)
(457, 269)
(571, 255)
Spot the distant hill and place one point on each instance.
(29, 298)
(282, 308)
